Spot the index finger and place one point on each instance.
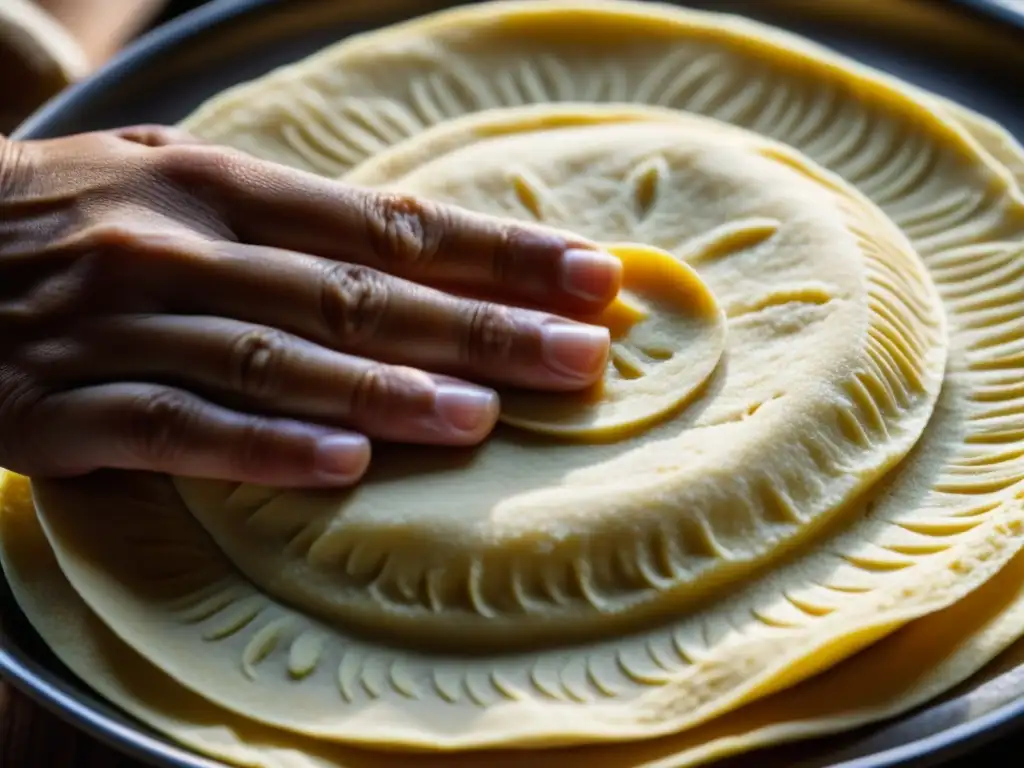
(273, 205)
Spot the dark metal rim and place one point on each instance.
(160, 40)
(999, 12)
(55, 695)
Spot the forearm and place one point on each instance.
(102, 27)
(38, 57)
(47, 44)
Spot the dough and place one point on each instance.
(765, 600)
(784, 442)
(835, 355)
(668, 334)
(333, 110)
(898, 673)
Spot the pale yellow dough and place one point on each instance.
(835, 355)
(686, 575)
(912, 666)
(668, 334)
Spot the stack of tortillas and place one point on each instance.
(794, 507)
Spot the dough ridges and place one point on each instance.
(933, 534)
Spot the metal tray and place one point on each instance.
(969, 50)
(1007, 11)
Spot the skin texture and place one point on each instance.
(171, 306)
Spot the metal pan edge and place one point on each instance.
(30, 667)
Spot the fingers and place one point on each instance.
(366, 312)
(255, 368)
(273, 205)
(161, 429)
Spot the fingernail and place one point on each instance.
(575, 351)
(466, 408)
(342, 458)
(591, 275)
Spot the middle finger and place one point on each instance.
(362, 311)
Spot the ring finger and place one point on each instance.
(268, 371)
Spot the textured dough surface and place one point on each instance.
(943, 524)
(920, 661)
(668, 336)
(864, 627)
(835, 355)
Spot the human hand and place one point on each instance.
(181, 308)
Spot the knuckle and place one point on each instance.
(353, 300)
(155, 135)
(510, 243)
(491, 334)
(508, 247)
(114, 263)
(91, 268)
(111, 236)
(194, 166)
(255, 362)
(255, 454)
(160, 422)
(123, 240)
(112, 254)
(202, 178)
(113, 245)
(403, 230)
(388, 389)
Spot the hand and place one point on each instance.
(181, 308)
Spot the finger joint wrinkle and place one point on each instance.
(403, 232)
(353, 301)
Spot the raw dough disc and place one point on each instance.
(902, 146)
(835, 358)
(898, 673)
(521, 681)
(332, 110)
(668, 334)
(963, 217)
